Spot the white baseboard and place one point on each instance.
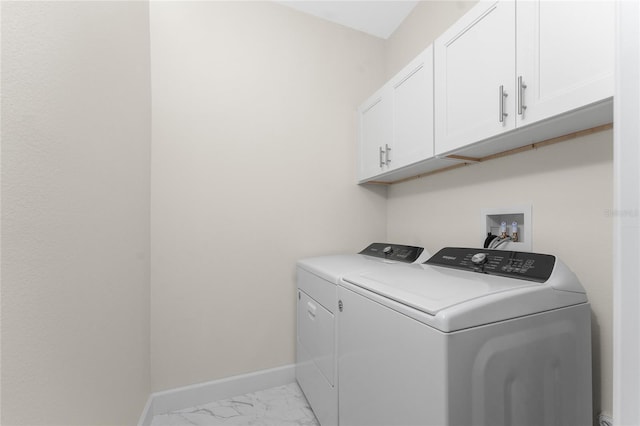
(147, 414)
(202, 393)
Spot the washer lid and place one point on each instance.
(451, 299)
(431, 289)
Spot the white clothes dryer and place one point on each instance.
(472, 337)
(316, 349)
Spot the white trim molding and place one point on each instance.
(626, 244)
(202, 393)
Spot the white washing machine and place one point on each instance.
(472, 337)
(316, 343)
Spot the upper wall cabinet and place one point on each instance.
(565, 56)
(396, 123)
(376, 131)
(487, 84)
(474, 69)
(412, 94)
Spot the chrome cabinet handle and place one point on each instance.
(501, 113)
(381, 157)
(521, 87)
(386, 154)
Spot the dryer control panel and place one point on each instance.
(396, 252)
(513, 264)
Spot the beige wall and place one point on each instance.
(253, 157)
(253, 167)
(75, 209)
(424, 24)
(569, 185)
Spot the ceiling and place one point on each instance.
(377, 18)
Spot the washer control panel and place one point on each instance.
(395, 252)
(513, 264)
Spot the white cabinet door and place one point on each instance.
(474, 58)
(412, 91)
(396, 123)
(375, 133)
(565, 56)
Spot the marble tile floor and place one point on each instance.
(279, 406)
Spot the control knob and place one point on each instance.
(387, 250)
(479, 258)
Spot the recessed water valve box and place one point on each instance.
(514, 223)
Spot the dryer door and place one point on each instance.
(316, 334)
